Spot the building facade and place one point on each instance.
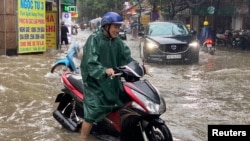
(231, 14)
(10, 31)
(221, 15)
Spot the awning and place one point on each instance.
(131, 7)
(68, 2)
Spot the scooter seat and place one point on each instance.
(76, 81)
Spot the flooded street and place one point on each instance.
(215, 91)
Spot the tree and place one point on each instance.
(90, 9)
(171, 7)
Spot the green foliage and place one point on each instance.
(169, 8)
(90, 9)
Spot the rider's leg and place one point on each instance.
(86, 128)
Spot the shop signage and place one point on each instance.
(31, 26)
(210, 10)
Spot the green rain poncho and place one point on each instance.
(102, 94)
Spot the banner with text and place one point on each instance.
(31, 26)
(51, 30)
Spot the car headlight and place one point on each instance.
(194, 45)
(151, 45)
(152, 108)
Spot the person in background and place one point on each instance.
(205, 33)
(188, 26)
(64, 35)
(74, 30)
(134, 28)
(103, 51)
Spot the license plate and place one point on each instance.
(209, 45)
(178, 56)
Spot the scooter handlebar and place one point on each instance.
(117, 74)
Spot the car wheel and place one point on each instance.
(145, 55)
(194, 58)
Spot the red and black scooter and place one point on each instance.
(208, 46)
(139, 119)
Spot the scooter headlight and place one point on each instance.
(148, 105)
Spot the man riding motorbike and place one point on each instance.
(205, 33)
(103, 51)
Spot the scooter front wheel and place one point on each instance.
(158, 132)
(60, 68)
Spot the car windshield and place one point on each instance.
(167, 29)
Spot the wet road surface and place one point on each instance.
(215, 91)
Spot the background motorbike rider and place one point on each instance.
(103, 51)
(74, 30)
(205, 33)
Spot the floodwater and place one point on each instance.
(215, 91)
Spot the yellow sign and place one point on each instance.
(74, 14)
(31, 26)
(145, 19)
(51, 30)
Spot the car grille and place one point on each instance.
(173, 48)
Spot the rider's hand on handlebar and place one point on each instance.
(110, 72)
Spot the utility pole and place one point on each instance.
(248, 7)
(217, 6)
(116, 6)
(58, 38)
(139, 17)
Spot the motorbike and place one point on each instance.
(68, 63)
(139, 119)
(74, 30)
(236, 38)
(224, 38)
(241, 40)
(208, 46)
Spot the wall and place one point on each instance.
(8, 39)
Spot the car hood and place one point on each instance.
(172, 39)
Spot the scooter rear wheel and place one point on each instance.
(60, 68)
(158, 132)
(211, 51)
